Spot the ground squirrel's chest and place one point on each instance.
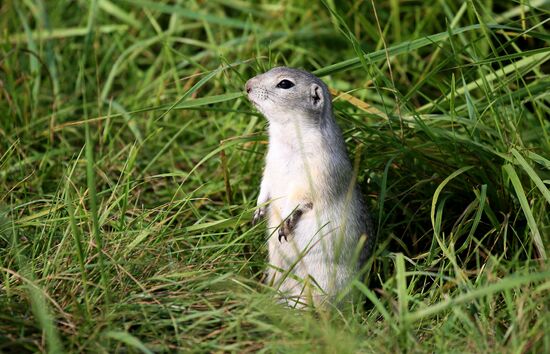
(288, 164)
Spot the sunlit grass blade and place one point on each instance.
(532, 174)
(477, 294)
(520, 194)
(407, 47)
(128, 339)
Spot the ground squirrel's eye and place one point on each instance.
(285, 84)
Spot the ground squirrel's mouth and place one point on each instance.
(255, 104)
(249, 96)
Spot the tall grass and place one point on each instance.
(130, 163)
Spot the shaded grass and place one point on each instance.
(129, 167)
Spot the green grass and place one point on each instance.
(130, 163)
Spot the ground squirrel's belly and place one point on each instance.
(287, 195)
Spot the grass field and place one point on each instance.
(130, 163)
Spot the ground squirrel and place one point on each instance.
(318, 227)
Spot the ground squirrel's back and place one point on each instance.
(318, 227)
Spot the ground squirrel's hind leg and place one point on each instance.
(289, 224)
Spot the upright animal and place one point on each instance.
(318, 226)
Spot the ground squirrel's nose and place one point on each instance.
(248, 87)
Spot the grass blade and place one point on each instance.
(128, 339)
(520, 194)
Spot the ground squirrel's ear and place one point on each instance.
(316, 96)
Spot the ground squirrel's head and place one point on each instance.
(283, 94)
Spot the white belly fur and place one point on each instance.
(319, 251)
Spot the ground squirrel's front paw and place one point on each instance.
(258, 215)
(284, 231)
(289, 224)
